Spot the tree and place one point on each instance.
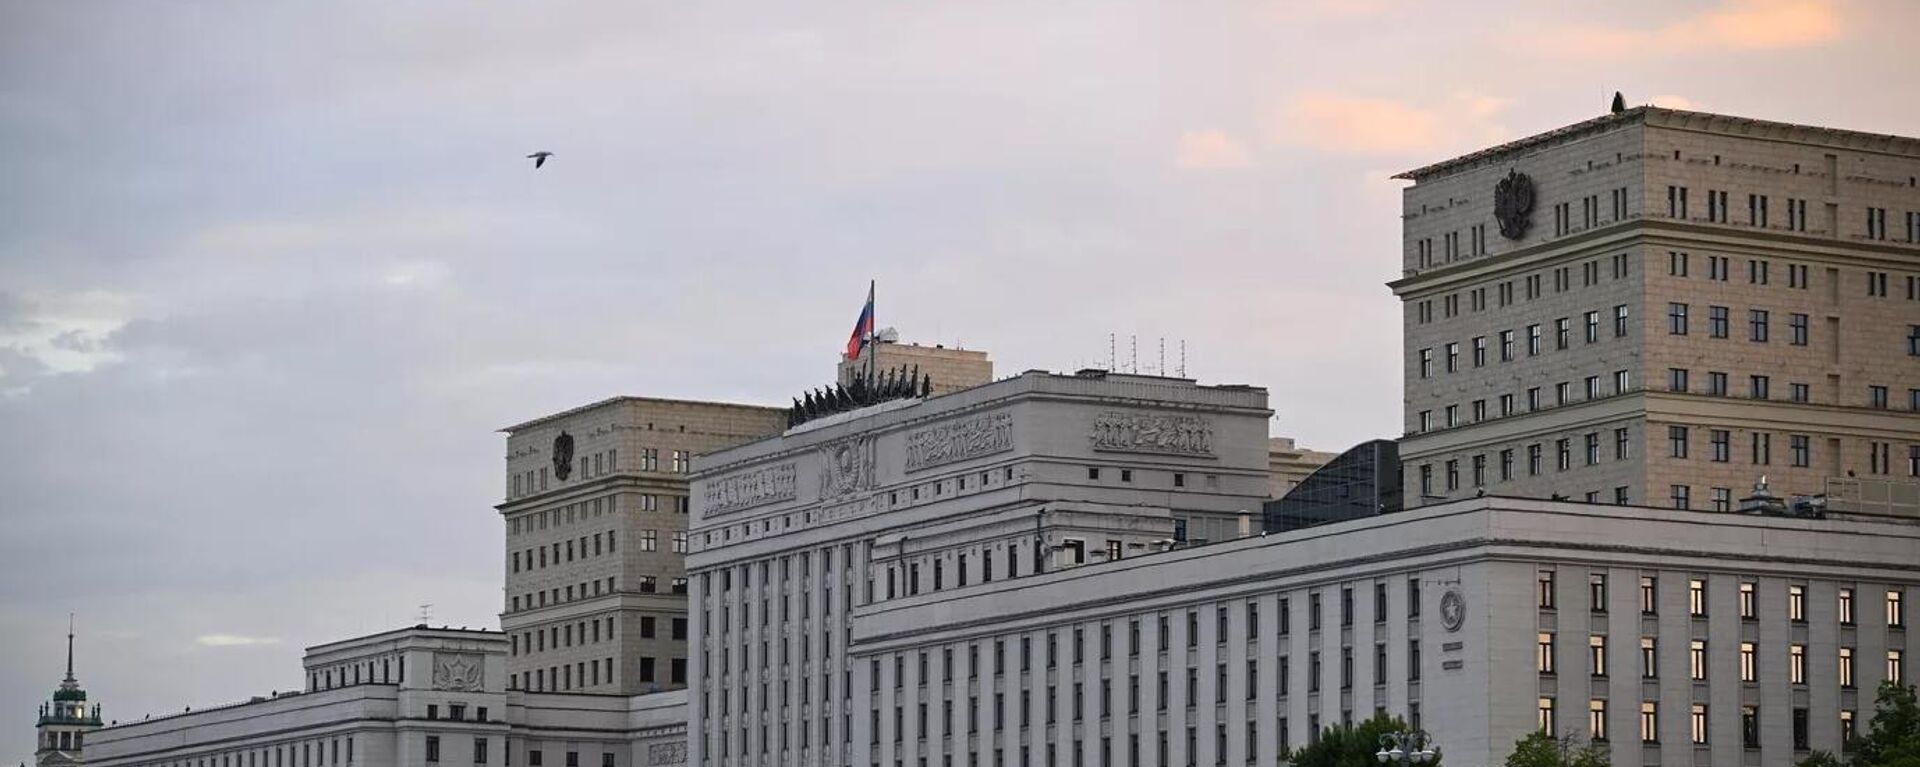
(1350, 745)
(1892, 739)
(1542, 750)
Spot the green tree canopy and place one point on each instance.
(1542, 750)
(1892, 739)
(1350, 745)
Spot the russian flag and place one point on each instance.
(863, 327)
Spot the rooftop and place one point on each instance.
(1683, 120)
(626, 399)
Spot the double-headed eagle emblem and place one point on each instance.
(1513, 204)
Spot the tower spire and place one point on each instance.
(70, 647)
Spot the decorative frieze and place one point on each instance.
(1114, 430)
(460, 672)
(667, 753)
(846, 467)
(960, 440)
(753, 488)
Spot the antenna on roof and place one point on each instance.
(1183, 358)
(1111, 358)
(426, 612)
(1162, 371)
(1133, 354)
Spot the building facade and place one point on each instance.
(1656, 307)
(595, 515)
(1289, 464)
(415, 697)
(793, 535)
(949, 369)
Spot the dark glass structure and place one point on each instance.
(1361, 482)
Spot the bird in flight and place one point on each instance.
(539, 158)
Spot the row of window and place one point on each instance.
(583, 511)
(317, 752)
(1698, 723)
(370, 671)
(585, 674)
(1483, 350)
(597, 465)
(1698, 660)
(1503, 470)
(649, 584)
(1759, 214)
(1532, 286)
(1748, 604)
(1593, 388)
(584, 633)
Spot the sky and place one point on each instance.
(272, 274)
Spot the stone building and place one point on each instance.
(596, 509)
(1657, 307)
(413, 697)
(992, 578)
(951, 369)
(1288, 464)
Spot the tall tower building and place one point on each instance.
(596, 516)
(65, 721)
(1662, 307)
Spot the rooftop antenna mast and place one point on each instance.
(1111, 358)
(1133, 354)
(1162, 369)
(1183, 358)
(426, 612)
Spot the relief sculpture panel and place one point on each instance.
(753, 488)
(954, 441)
(1153, 433)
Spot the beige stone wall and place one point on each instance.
(951, 369)
(1856, 338)
(614, 521)
(1287, 464)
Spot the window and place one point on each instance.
(1846, 607)
(1757, 320)
(1722, 442)
(1649, 658)
(1453, 357)
(1801, 737)
(1593, 448)
(1533, 459)
(1561, 329)
(1593, 327)
(1800, 446)
(1597, 592)
(1697, 659)
(1597, 719)
(1681, 496)
(1649, 722)
(1426, 363)
(1533, 340)
(1699, 719)
(1717, 384)
(1877, 397)
(1749, 665)
(1677, 319)
(1846, 725)
(1564, 453)
(1479, 351)
(1846, 667)
(1677, 441)
(1722, 499)
(1896, 609)
(433, 748)
(1506, 346)
(1597, 654)
(1894, 669)
(1797, 329)
(1797, 664)
(1759, 387)
(1797, 603)
(1546, 722)
(1799, 392)
(1717, 321)
(1748, 609)
(1543, 656)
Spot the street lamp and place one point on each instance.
(1404, 748)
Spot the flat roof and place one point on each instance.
(1684, 120)
(628, 398)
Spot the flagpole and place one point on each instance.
(873, 331)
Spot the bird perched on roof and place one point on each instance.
(539, 158)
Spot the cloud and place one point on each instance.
(233, 640)
(1732, 25)
(1337, 122)
(1211, 150)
